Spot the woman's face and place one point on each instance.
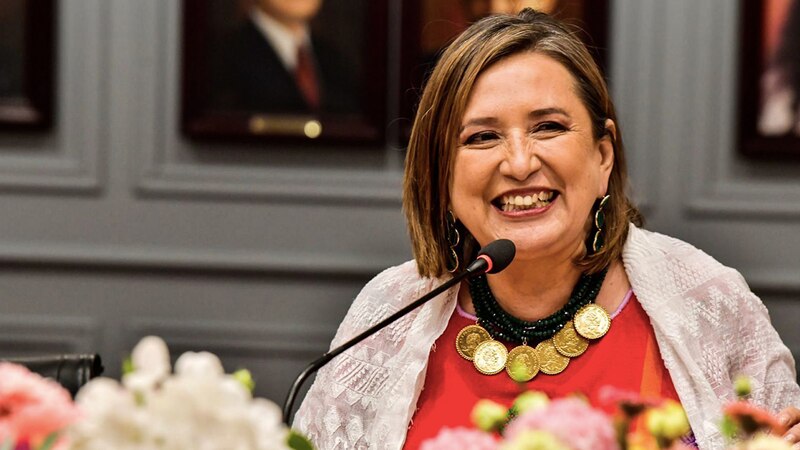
(527, 167)
(291, 11)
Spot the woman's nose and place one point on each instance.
(520, 159)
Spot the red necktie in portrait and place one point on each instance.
(306, 77)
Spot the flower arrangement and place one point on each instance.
(198, 407)
(535, 422)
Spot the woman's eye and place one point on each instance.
(549, 127)
(481, 138)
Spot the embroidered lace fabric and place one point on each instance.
(709, 326)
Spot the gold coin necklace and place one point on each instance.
(561, 336)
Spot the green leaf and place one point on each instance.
(244, 377)
(49, 442)
(728, 428)
(742, 386)
(127, 366)
(296, 441)
(8, 444)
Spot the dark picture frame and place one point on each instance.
(27, 55)
(428, 25)
(212, 110)
(768, 125)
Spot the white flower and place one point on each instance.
(200, 365)
(198, 408)
(112, 418)
(765, 442)
(151, 364)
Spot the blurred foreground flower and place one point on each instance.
(764, 442)
(460, 439)
(535, 422)
(199, 407)
(668, 423)
(571, 421)
(489, 416)
(33, 410)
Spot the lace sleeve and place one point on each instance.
(339, 411)
(762, 355)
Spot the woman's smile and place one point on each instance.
(524, 201)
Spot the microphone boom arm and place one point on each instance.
(478, 266)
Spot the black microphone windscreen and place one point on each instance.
(501, 252)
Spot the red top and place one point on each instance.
(627, 357)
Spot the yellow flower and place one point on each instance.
(520, 372)
(534, 440)
(668, 422)
(531, 401)
(488, 415)
(741, 385)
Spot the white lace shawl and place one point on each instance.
(709, 327)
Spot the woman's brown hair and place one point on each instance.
(433, 142)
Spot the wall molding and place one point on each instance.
(164, 180)
(771, 280)
(68, 160)
(232, 338)
(30, 335)
(108, 257)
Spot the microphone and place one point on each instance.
(492, 258)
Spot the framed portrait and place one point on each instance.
(27, 33)
(429, 25)
(769, 82)
(289, 70)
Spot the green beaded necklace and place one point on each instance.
(503, 325)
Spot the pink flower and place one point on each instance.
(630, 403)
(460, 439)
(31, 407)
(572, 421)
(751, 418)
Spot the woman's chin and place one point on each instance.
(531, 247)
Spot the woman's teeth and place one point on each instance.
(523, 202)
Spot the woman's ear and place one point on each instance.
(606, 146)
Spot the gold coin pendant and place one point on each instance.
(592, 321)
(551, 361)
(469, 338)
(522, 364)
(490, 357)
(568, 342)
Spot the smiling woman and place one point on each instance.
(516, 137)
(526, 133)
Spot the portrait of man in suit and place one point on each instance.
(274, 62)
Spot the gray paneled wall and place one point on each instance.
(675, 82)
(115, 226)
